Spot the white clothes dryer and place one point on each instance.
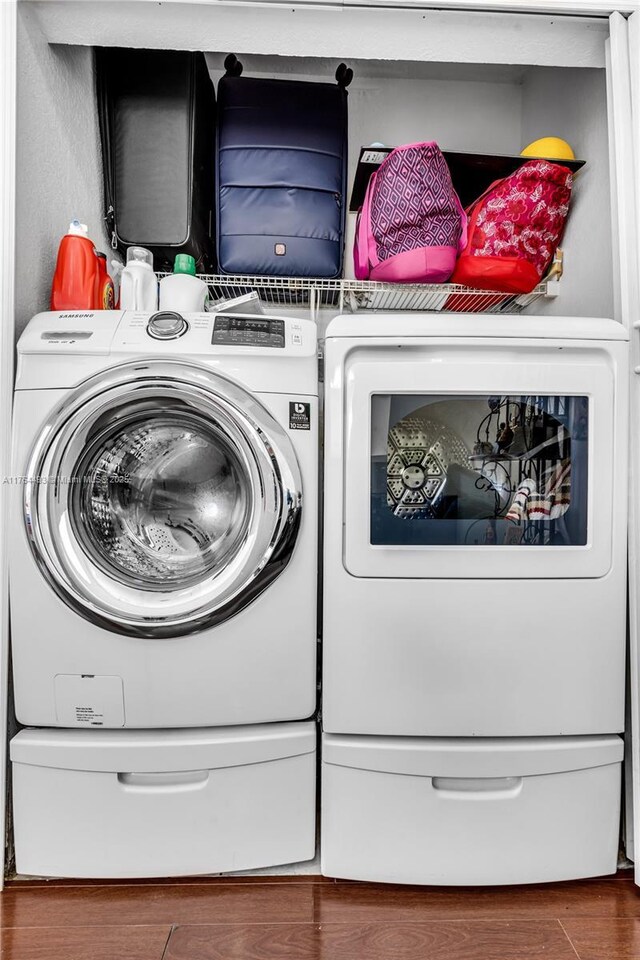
(164, 520)
(475, 526)
(474, 598)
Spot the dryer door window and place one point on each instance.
(479, 470)
(162, 499)
(491, 459)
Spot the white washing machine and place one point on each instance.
(164, 520)
(474, 596)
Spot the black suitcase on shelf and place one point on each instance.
(281, 175)
(157, 127)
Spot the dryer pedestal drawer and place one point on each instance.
(437, 811)
(98, 803)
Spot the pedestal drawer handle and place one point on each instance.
(478, 788)
(180, 779)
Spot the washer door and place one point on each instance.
(161, 499)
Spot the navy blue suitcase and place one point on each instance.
(281, 175)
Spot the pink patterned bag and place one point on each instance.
(411, 226)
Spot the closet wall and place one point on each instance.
(59, 170)
(573, 104)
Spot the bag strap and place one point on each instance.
(366, 245)
(485, 193)
(372, 250)
(464, 220)
(472, 222)
(104, 125)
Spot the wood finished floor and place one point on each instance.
(311, 918)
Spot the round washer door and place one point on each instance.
(161, 499)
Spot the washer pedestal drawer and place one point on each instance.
(470, 811)
(153, 803)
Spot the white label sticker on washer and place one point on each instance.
(299, 415)
(86, 700)
(85, 714)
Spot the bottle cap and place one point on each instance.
(184, 263)
(78, 229)
(140, 255)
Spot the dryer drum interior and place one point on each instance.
(162, 498)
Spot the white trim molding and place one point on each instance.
(372, 30)
(597, 8)
(8, 71)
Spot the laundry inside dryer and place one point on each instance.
(479, 470)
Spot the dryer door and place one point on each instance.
(482, 459)
(161, 499)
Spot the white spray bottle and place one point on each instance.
(138, 284)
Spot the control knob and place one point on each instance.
(167, 325)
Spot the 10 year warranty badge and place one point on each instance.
(299, 415)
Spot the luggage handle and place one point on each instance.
(344, 75)
(233, 68)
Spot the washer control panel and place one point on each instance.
(167, 325)
(248, 332)
(171, 333)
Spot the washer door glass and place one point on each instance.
(165, 499)
(162, 499)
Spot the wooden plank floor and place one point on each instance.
(311, 918)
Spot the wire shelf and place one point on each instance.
(432, 298)
(354, 295)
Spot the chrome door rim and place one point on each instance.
(271, 531)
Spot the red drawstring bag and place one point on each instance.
(515, 228)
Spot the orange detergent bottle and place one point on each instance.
(76, 278)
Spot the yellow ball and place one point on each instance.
(552, 148)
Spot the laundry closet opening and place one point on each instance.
(512, 84)
(476, 84)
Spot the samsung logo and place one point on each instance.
(76, 316)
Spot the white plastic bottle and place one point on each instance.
(138, 284)
(182, 290)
